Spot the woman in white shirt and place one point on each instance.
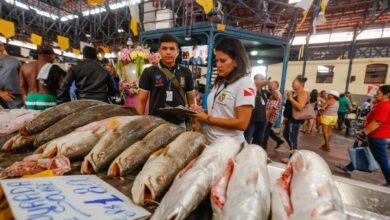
(232, 98)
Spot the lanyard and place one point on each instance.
(174, 73)
(217, 93)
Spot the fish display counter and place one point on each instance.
(361, 200)
(177, 174)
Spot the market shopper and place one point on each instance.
(320, 103)
(329, 117)
(10, 92)
(309, 123)
(274, 104)
(296, 101)
(258, 122)
(91, 79)
(166, 84)
(377, 132)
(344, 108)
(41, 79)
(231, 101)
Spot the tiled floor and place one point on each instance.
(338, 154)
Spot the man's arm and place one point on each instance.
(191, 98)
(22, 82)
(142, 99)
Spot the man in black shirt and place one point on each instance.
(258, 122)
(92, 80)
(163, 92)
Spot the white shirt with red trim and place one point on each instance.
(222, 103)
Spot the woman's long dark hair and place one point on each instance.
(235, 50)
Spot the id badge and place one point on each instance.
(169, 96)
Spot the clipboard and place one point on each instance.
(178, 110)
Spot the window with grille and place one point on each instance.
(376, 74)
(325, 74)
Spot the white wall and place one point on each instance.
(340, 74)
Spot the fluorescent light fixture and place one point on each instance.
(44, 13)
(21, 5)
(22, 44)
(254, 52)
(88, 35)
(69, 17)
(293, 1)
(114, 6)
(57, 51)
(3, 39)
(109, 55)
(72, 55)
(94, 11)
(120, 30)
(260, 61)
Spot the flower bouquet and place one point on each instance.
(131, 63)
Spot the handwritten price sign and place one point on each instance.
(68, 198)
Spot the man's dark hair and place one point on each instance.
(165, 38)
(385, 89)
(236, 51)
(45, 50)
(301, 79)
(90, 53)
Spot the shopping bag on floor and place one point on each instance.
(362, 158)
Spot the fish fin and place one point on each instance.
(188, 167)
(165, 151)
(115, 170)
(54, 152)
(158, 153)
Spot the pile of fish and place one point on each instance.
(179, 168)
(13, 120)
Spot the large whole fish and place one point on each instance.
(138, 153)
(80, 118)
(12, 120)
(54, 114)
(306, 190)
(244, 192)
(19, 143)
(193, 183)
(116, 141)
(162, 167)
(79, 143)
(59, 165)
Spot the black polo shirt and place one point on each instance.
(157, 84)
